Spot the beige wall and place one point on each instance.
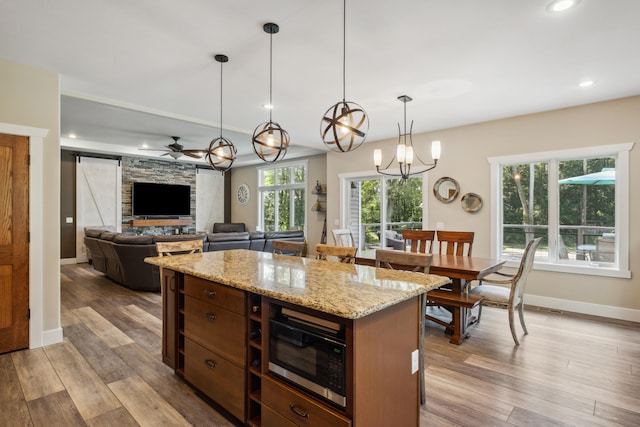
(31, 97)
(249, 213)
(464, 157)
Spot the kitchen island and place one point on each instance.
(217, 309)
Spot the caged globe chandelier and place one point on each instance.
(344, 125)
(221, 153)
(405, 153)
(270, 141)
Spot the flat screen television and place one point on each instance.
(160, 200)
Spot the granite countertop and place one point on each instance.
(345, 290)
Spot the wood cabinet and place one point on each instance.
(256, 338)
(215, 376)
(214, 342)
(169, 280)
(298, 407)
(221, 348)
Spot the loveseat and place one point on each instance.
(120, 256)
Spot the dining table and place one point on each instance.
(462, 270)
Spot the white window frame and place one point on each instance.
(345, 190)
(292, 186)
(621, 153)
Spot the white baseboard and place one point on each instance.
(52, 336)
(66, 261)
(609, 311)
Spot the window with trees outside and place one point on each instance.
(576, 200)
(376, 209)
(282, 196)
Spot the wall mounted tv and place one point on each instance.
(160, 200)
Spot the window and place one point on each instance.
(376, 209)
(576, 200)
(282, 193)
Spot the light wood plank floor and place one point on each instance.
(569, 371)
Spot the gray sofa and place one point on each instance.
(121, 256)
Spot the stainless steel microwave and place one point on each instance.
(311, 356)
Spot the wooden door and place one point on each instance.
(14, 242)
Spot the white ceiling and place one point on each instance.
(135, 72)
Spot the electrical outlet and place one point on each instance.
(439, 225)
(414, 361)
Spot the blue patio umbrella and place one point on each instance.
(605, 177)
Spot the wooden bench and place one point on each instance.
(442, 297)
(453, 302)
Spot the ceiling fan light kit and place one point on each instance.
(270, 141)
(176, 150)
(221, 153)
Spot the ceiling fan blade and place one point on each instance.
(196, 154)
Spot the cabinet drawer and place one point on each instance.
(216, 329)
(216, 377)
(302, 410)
(269, 418)
(215, 293)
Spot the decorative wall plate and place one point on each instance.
(446, 189)
(243, 194)
(471, 202)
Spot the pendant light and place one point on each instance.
(405, 153)
(270, 140)
(222, 152)
(344, 125)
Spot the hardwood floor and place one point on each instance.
(570, 370)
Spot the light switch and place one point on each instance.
(414, 361)
(336, 222)
(69, 220)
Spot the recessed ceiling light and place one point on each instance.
(561, 5)
(145, 145)
(267, 106)
(72, 136)
(586, 83)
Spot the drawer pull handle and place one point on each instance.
(210, 363)
(210, 293)
(210, 316)
(297, 411)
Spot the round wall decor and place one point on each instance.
(243, 194)
(471, 202)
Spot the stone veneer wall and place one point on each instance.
(148, 170)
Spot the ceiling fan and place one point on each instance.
(176, 150)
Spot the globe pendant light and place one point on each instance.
(405, 153)
(344, 125)
(222, 152)
(270, 140)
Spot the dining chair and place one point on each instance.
(455, 242)
(343, 237)
(344, 254)
(510, 297)
(285, 247)
(420, 241)
(179, 247)
(417, 262)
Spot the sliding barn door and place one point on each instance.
(14, 242)
(98, 198)
(209, 199)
